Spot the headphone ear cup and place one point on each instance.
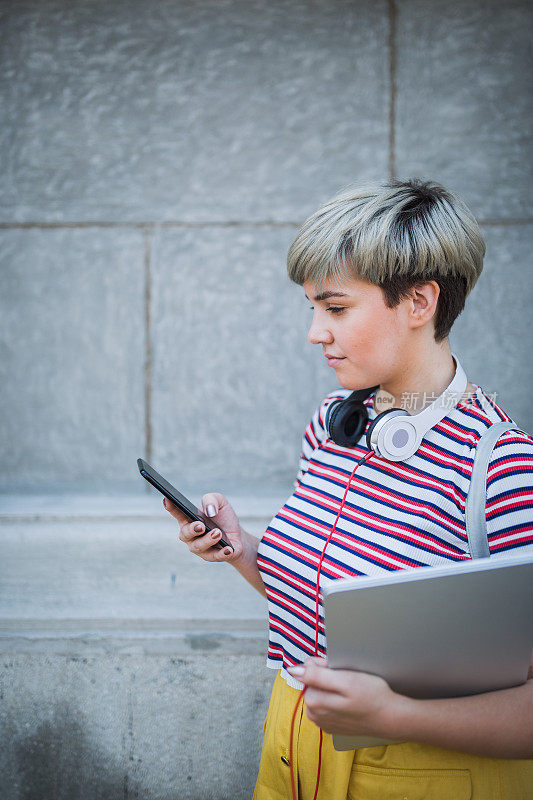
(346, 421)
(381, 423)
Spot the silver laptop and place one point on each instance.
(434, 631)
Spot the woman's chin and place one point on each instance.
(351, 382)
(346, 383)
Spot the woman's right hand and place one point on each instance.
(220, 512)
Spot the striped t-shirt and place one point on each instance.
(397, 515)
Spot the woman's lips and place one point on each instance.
(333, 360)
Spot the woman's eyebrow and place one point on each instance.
(326, 295)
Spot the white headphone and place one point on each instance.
(394, 434)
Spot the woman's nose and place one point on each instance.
(318, 334)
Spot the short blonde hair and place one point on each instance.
(397, 235)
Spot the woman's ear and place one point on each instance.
(422, 304)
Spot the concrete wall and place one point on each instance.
(158, 159)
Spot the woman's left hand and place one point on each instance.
(347, 702)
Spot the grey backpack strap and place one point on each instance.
(476, 520)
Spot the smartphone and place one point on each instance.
(179, 500)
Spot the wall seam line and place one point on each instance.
(150, 226)
(148, 345)
(392, 95)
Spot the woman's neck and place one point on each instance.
(419, 383)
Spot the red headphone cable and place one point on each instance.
(302, 692)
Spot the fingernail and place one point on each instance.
(211, 510)
(227, 551)
(215, 534)
(198, 527)
(296, 671)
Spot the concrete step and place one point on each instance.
(112, 566)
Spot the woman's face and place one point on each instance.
(365, 340)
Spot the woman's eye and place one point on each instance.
(333, 309)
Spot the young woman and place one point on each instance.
(386, 271)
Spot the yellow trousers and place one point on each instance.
(407, 771)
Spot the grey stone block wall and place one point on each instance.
(72, 339)
(174, 147)
(463, 104)
(229, 351)
(190, 110)
(158, 158)
(494, 330)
